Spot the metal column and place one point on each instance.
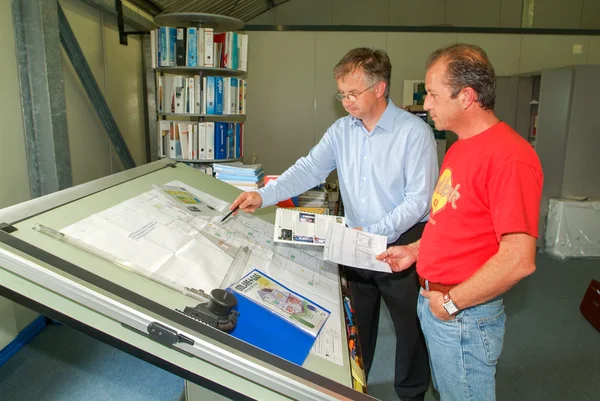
(150, 107)
(42, 95)
(69, 42)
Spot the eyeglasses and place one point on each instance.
(352, 96)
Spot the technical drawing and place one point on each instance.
(364, 241)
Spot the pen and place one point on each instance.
(348, 312)
(230, 213)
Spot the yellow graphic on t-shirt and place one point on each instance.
(444, 192)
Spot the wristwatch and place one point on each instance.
(449, 305)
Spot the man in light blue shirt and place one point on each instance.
(386, 162)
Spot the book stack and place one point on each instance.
(314, 198)
(249, 177)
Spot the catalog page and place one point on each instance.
(293, 307)
(302, 228)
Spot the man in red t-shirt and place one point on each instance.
(481, 234)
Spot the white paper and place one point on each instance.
(298, 227)
(329, 344)
(157, 240)
(355, 248)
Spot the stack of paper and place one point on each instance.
(247, 177)
(315, 197)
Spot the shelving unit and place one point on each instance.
(218, 116)
(206, 160)
(211, 70)
(199, 100)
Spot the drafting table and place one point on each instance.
(115, 305)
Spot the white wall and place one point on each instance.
(562, 14)
(118, 71)
(291, 86)
(583, 141)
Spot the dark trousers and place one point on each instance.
(400, 291)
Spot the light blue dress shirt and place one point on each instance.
(386, 176)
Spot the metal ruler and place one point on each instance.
(191, 292)
(239, 262)
(236, 269)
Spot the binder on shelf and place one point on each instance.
(197, 95)
(210, 95)
(230, 140)
(179, 94)
(210, 140)
(275, 318)
(234, 50)
(174, 143)
(171, 45)
(192, 47)
(226, 95)
(220, 141)
(208, 47)
(233, 97)
(200, 46)
(181, 47)
(244, 53)
(202, 141)
(238, 140)
(218, 95)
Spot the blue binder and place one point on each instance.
(265, 329)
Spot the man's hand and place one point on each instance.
(400, 257)
(248, 202)
(436, 304)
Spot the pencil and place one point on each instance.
(230, 213)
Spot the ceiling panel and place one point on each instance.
(244, 10)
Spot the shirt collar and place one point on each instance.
(386, 121)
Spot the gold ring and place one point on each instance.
(387, 254)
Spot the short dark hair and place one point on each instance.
(375, 64)
(467, 66)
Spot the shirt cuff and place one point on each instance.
(267, 194)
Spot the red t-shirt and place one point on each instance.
(489, 185)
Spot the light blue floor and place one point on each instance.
(63, 364)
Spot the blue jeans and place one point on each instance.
(464, 351)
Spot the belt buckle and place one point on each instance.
(427, 284)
